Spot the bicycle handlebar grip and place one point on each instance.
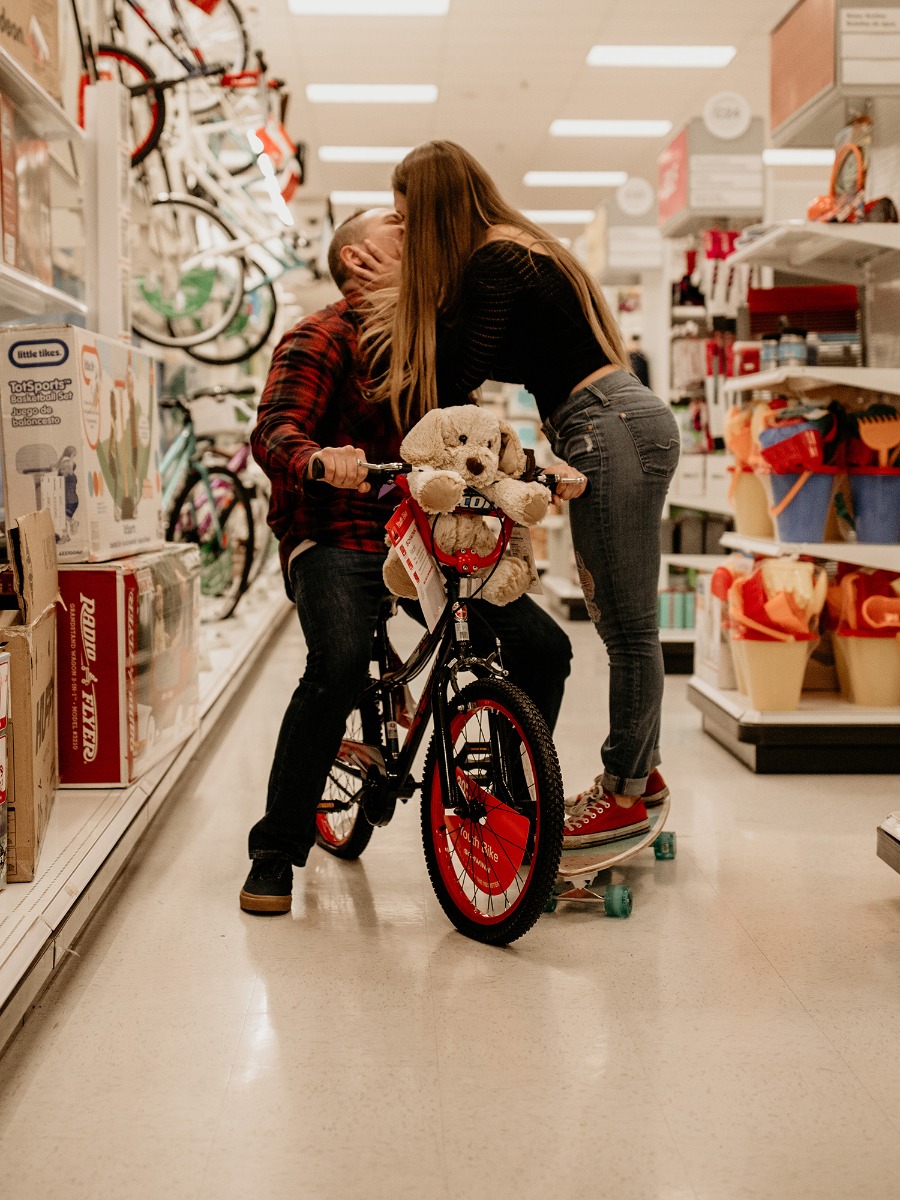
(316, 469)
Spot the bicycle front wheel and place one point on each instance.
(220, 35)
(147, 110)
(493, 845)
(341, 825)
(250, 327)
(188, 283)
(225, 541)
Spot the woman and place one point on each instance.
(485, 293)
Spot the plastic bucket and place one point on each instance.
(751, 505)
(876, 505)
(740, 665)
(872, 666)
(775, 673)
(842, 666)
(804, 517)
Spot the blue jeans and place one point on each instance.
(338, 593)
(626, 441)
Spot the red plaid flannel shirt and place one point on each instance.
(313, 398)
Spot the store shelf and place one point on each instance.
(695, 562)
(837, 253)
(45, 116)
(810, 379)
(886, 558)
(685, 637)
(701, 504)
(93, 832)
(689, 312)
(824, 736)
(23, 296)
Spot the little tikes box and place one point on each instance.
(81, 438)
(30, 640)
(128, 663)
(4, 719)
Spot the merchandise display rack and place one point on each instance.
(93, 832)
(859, 554)
(811, 379)
(832, 253)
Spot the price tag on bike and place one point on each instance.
(419, 564)
(520, 547)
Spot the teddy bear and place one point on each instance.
(451, 449)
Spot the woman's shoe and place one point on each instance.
(656, 790)
(594, 818)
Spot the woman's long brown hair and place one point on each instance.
(452, 203)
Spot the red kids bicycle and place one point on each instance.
(491, 791)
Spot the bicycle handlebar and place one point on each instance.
(389, 471)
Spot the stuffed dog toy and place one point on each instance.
(451, 449)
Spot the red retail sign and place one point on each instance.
(673, 178)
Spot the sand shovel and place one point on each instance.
(879, 429)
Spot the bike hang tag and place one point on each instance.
(420, 566)
(520, 547)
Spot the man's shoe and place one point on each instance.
(656, 790)
(594, 818)
(268, 886)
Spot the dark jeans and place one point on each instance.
(626, 441)
(338, 594)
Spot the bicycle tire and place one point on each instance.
(171, 230)
(346, 833)
(224, 26)
(493, 870)
(250, 328)
(189, 523)
(152, 101)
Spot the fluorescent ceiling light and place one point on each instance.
(369, 8)
(371, 93)
(560, 216)
(363, 154)
(610, 129)
(798, 158)
(595, 179)
(661, 56)
(363, 199)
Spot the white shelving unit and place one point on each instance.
(45, 116)
(700, 504)
(832, 253)
(811, 379)
(23, 296)
(93, 832)
(879, 558)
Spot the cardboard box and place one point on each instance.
(81, 438)
(690, 477)
(4, 718)
(128, 664)
(718, 480)
(33, 770)
(9, 198)
(29, 31)
(712, 648)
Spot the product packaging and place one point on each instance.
(33, 252)
(4, 721)
(9, 201)
(33, 772)
(128, 658)
(29, 31)
(81, 438)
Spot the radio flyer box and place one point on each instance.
(29, 639)
(81, 439)
(4, 718)
(128, 664)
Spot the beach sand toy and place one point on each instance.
(751, 504)
(801, 504)
(876, 505)
(774, 673)
(871, 667)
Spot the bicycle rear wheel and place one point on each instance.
(226, 556)
(493, 846)
(341, 825)
(250, 327)
(188, 283)
(220, 35)
(147, 111)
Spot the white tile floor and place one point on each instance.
(737, 1039)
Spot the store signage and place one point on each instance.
(727, 115)
(673, 178)
(636, 197)
(726, 181)
(870, 45)
(634, 248)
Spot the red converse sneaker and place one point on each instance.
(593, 818)
(656, 790)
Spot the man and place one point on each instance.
(331, 541)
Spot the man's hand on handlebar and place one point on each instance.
(341, 466)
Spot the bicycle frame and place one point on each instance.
(178, 460)
(195, 66)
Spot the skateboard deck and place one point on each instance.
(579, 866)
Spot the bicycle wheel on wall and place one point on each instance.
(185, 273)
(341, 825)
(250, 327)
(226, 554)
(493, 846)
(147, 109)
(220, 35)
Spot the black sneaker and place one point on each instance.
(268, 886)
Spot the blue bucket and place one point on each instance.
(805, 517)
(876, 506)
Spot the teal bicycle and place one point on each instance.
(208, 507)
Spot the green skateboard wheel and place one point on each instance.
(617, 900)
(664, 846)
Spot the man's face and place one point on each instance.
(384, 227)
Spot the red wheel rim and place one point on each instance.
(484, 863)
(152, 102)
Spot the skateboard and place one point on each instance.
(583, 872)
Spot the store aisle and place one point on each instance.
(732, 1040)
